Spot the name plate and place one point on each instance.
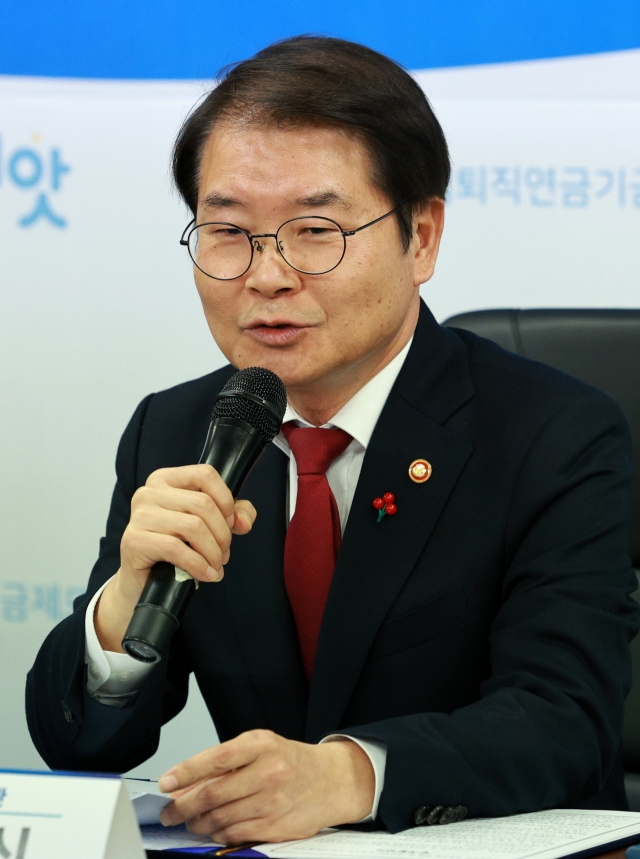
(51, 815)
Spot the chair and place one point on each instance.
(601, 347)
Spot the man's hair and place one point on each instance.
(326, 82)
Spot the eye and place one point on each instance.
(317, 231)
(221, 232)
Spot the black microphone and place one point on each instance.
(247, 415)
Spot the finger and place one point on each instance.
(245, 516)
(258, 806)
(215, 761)
(143, 549)
(149, 499)
(249, 833)
(202, 478)
(189, 528)
(213, 794)
(184, 790)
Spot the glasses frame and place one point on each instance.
(255, 245)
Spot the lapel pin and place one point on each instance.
(420, 470)
(385, 505)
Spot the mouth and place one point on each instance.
(276, 332)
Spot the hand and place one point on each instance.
(261, 787)
(185, 516)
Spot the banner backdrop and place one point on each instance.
(99, 308)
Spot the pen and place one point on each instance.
(227, 850)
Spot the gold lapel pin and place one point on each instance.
(420, 470)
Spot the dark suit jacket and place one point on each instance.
(481, 633)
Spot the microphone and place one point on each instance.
(247, 415)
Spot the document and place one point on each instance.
(147, 800)
(543, 835)
(173, 838)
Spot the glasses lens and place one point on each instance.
(311, 245)
(220, 250)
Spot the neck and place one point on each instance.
(319, 402)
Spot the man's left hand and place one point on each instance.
(261, 787)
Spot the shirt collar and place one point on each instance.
(360, 414)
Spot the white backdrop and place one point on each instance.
(98, 306)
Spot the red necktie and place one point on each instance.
(313, 538)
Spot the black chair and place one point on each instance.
(601, 347)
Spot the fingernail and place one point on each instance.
(226, 556)
(212, 575)
(168, 783)
(247, 519)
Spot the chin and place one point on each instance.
(286, 366)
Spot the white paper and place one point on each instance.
(148, 801)
(172, 837)
(544, 834)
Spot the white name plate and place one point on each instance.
(61, 815)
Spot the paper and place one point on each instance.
(172, 837)
(147, 800)
(543, 834)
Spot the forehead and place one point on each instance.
(284, 164)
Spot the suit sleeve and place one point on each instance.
(69, 728)
(548, 725)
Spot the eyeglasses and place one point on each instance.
(310, 245)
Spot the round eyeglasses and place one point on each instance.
(310, 245)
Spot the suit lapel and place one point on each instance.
(376, 558)
(258, 603)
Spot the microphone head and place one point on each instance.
(256, 396)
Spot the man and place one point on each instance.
(470, 649)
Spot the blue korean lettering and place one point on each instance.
(58, 169)
(542, 184)
(622, 188)
(25, 168)
(42, 209)
(48, 599)
(576, 190)
(608, 178)
(471, 184)
(13, 602)
(506, 183)
(634, 187)
(3, 793)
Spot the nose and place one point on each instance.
(269, 273)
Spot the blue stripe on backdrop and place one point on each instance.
(193, 38)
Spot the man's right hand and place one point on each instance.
(185, 516)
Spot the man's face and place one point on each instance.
(317, 332)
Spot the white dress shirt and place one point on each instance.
(114, 677)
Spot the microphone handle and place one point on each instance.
(232, 447)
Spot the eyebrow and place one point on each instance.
(313, 201)
(216, 200)
(324, 198)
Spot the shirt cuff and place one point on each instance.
(112, 678)
(377, 754)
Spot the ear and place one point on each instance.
(428, 224)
